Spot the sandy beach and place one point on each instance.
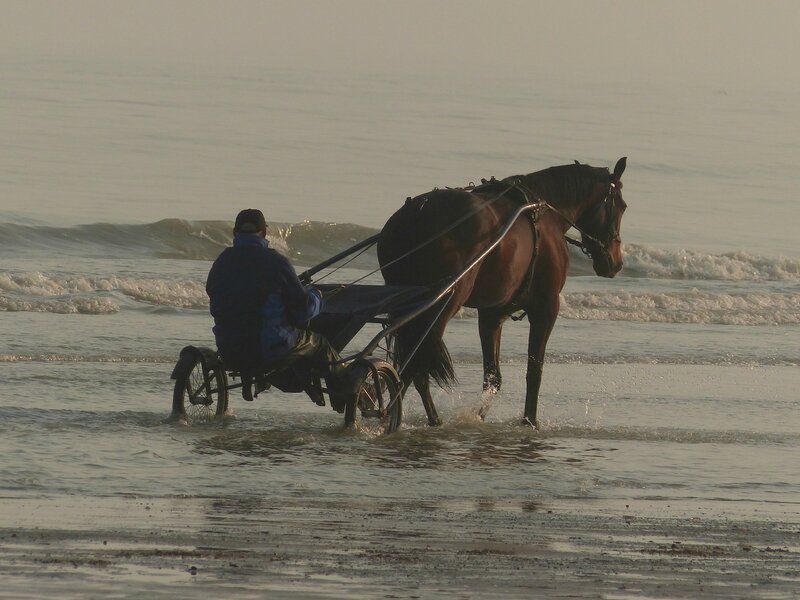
(183, 548)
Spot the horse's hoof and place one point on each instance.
(175, 418)
(437, 422)
(532, 424)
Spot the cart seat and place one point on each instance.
(346, 309)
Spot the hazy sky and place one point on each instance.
(672, 40)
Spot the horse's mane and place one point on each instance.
(567, 182)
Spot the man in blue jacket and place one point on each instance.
(259, 306)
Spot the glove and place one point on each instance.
(314, 302)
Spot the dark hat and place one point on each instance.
(250, 220)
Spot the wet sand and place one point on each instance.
(78, 547)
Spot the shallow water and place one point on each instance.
(611, 432)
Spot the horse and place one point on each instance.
(436, 235)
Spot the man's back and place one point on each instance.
(257, 303)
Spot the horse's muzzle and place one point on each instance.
(605, 266)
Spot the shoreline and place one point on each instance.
(252, 547)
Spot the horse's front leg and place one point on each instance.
(490, 327)
(541, 318)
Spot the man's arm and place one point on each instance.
(301, 305)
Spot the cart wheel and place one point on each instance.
(378, 401)
(200, 394)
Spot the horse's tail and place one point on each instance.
(407, 257)
(428, 357)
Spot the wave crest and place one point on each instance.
(175, 239)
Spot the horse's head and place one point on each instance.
(600, 225)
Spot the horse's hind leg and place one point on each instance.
(437, 359)
(423, 385)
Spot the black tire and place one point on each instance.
(200, 395)
(371, 408)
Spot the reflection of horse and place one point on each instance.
(526, 271)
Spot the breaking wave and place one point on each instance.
(642, 261)
(170, 238)
(83, 306)
(310, 242)
(694, 306)
(753, 302)
(40, 292)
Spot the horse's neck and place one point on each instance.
(559, 187)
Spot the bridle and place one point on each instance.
(609, 205)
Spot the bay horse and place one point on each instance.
(434, 236)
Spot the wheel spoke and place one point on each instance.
(200, 395)
(377, 404)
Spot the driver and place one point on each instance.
(259, 306)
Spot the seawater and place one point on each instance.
(675, 381)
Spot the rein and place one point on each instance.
(430, 240)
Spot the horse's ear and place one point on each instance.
(619, 168)
(577, 163)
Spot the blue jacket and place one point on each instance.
(257, 302)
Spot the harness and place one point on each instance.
(608, 204)
(533, 218)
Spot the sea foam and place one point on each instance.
(643, 261)
(695, 306)
(41, 292)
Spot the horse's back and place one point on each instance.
(430, 235)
